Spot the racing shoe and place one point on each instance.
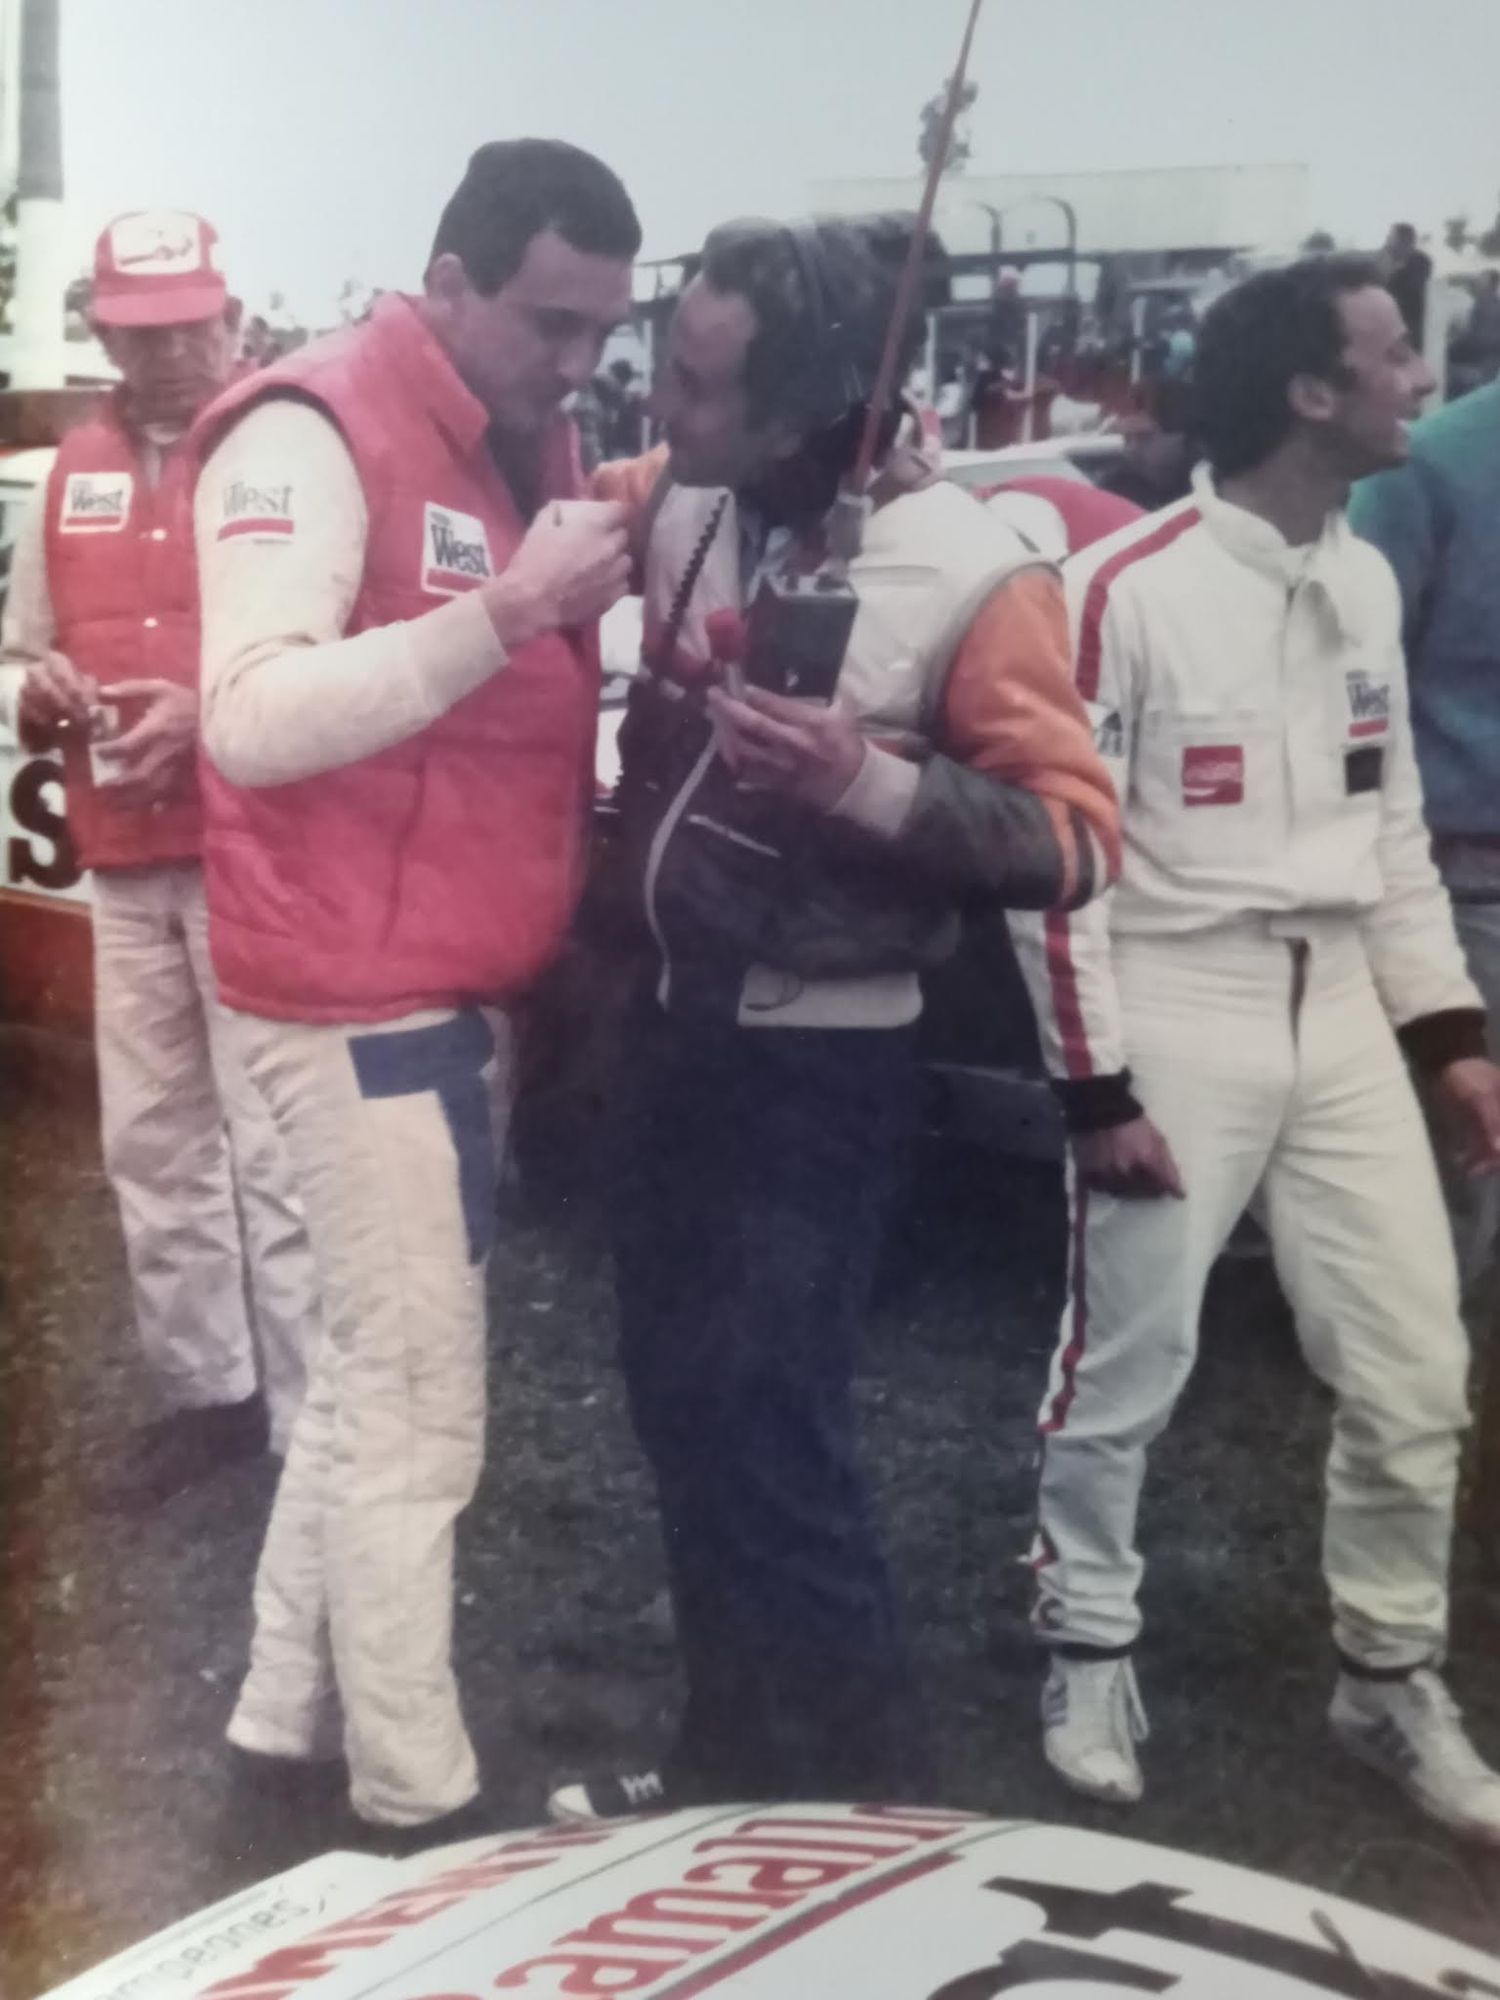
(614, 1796)
(1092, 1719)
(1412, 1731)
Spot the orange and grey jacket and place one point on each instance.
(980, 777)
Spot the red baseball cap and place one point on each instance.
(157, 267)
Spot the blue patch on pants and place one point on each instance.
(448, 1058)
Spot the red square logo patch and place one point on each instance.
(1213, 774)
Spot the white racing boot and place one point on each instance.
(1092, 1719)
(1412, 1731)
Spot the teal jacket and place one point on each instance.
(1437, 520)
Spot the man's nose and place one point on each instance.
(578, 360)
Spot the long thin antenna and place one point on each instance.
(911, 270)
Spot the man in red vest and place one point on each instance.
(400, 592)
(103, 606)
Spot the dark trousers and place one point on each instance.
(754, 1171)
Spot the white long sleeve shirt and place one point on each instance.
(1250, 701)
(285, 694)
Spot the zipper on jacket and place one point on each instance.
(666, 827)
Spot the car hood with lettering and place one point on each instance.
(789, 1903)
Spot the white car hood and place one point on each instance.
(789, 1903)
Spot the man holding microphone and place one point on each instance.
(400, 689)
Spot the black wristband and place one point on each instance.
(1433, 1041)
(1097, 1103)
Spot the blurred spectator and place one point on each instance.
(1484, 321)
(1005, 334)
(1160, 451)
(1179, 343)
(1474, 353)
(1407, 271)
(622, 409)
(953, 408)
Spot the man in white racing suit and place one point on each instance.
(1236, 1018)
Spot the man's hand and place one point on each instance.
(811, 750)
(53, 695)
(1131, 1160)
(573, 565)
(1468, 1093)
(156, 753)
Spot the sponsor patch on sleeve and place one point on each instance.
(95, 503)
(455, 551)
(257, 513)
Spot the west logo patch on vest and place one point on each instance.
(1369, 704)
(1213, 774)
(95, 503)
(254, 511)
(455, 551)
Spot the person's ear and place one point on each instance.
(1312, 399)
(446, 281)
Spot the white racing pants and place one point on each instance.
(1267, 1061)
(394, 1132)
(204, 1267)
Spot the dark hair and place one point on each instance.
(513, 189)
(822, 294)
(1255, 340)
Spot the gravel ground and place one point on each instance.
(121, 1641)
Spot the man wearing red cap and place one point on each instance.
(103, 609)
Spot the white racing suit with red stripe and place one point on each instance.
(1277, 938)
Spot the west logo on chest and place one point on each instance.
(455, 551)
(95, 503)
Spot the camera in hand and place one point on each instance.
(799, 630)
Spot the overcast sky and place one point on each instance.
(322, 136)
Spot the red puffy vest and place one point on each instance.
(124, 587)
(445, 869)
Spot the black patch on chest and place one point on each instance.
(1364, 768)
